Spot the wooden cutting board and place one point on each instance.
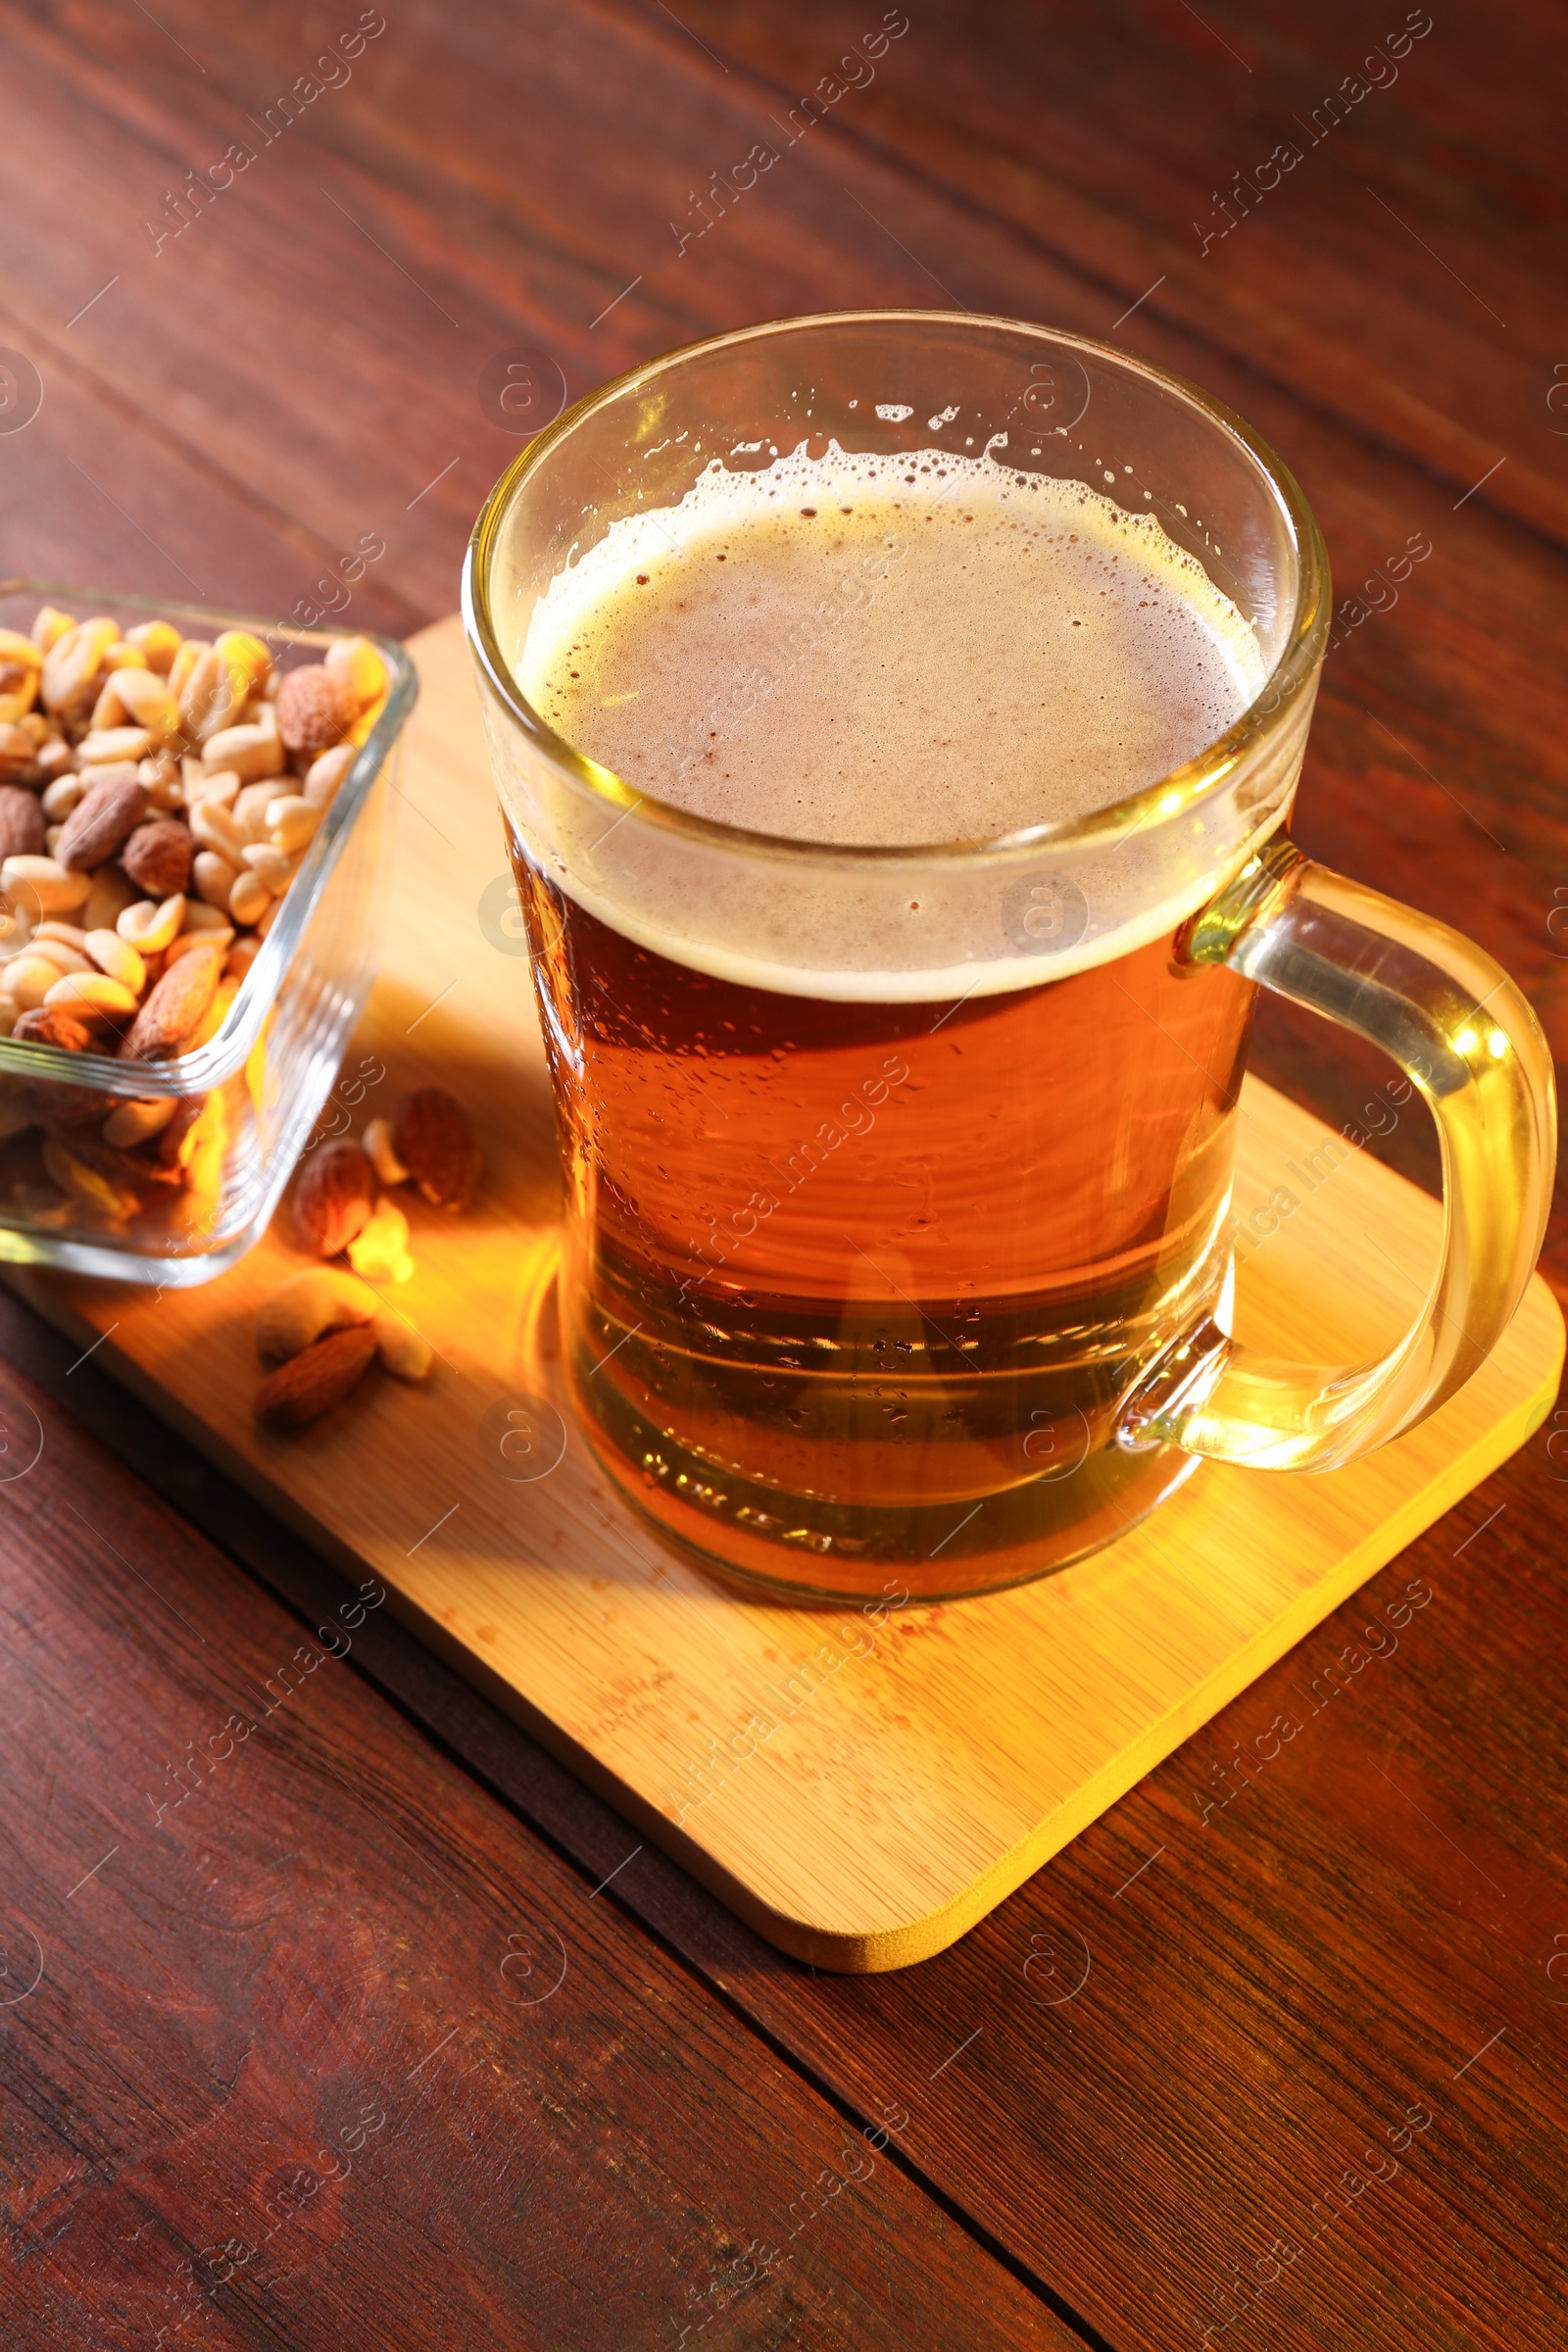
(919, 1763)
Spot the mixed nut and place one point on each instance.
(157, 796)
(321, 1329)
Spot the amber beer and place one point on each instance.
(857, 1290)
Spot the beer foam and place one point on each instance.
(875, 649)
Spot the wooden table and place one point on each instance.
(1274, 2051)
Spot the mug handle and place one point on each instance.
(1467, 1039)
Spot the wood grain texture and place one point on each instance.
(304, 2041)
(918, 1765)
(1125, 142)
(1267, 1982)
(1268, 1985)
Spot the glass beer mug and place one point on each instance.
(898, 1176)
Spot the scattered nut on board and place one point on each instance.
(403, 1349)
(333, 1198)
(305, 1307)
(339, 1208)
(298, 1330)
(156, 797)
(308, 1384)
(379, 1251)
(433, 1138)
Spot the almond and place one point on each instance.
(74, 1106)
(55, 1025)
(158, 856)
(175, 1007)
(21, 822)
(312, 709)
(434, 1138)
(101, 820)
(333, 1198)
(311, 1382)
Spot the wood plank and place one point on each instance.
(935, 1761)
(1395, 274)
(98, 490)
(305, 2035)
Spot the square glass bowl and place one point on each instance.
(265, 1072)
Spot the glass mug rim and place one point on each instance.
(1176, 794)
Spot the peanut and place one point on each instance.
(111, 894)
(29, 980)
(20, 667)
(118, 959)
(114, 743)
(82, 1183)
(146, 701)
(41, 883)
(91, 992)
(291, 822)
(214, 876)
(222, 682)
(134, 1122)
(49, 627)
(251, 752)
(199, 917)
(183, 666)
(275, 869)
(358, 669)
(59, 951)
(157, 642)
(327, 773)
(182, 945)
(214, 828)
(250, 805)
(61, 796)
(71, 666)
(218, 785)
(249, 898)
(165, 785)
